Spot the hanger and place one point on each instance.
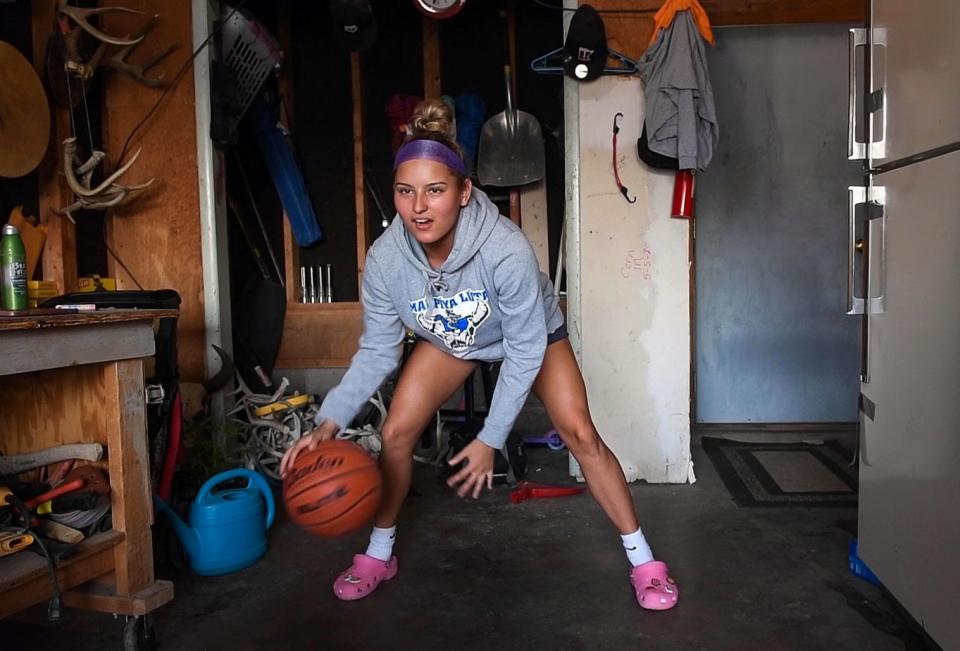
(549, 63)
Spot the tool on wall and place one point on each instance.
(24, 115)
(616, 167)
(316, 284)
(77, 48)
(251, 53)
(107, 194)
(375, 196)
(256, 212)
(510, 152)
(71, 63)
(258, 325)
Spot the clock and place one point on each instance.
(439, 8)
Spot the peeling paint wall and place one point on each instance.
(634, 292)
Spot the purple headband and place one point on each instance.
(431, 150)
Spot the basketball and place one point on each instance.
(332, 490)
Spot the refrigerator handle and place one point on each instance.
(856, 149)
(856, 195)
(877, 251)
(875, 104)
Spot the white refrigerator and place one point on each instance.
(904, 277)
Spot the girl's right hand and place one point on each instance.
(324, 432)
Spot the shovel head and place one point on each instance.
(511, 147)
(511, 150)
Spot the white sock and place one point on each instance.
(381, 543)
(638, 551)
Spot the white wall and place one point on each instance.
(633, 317)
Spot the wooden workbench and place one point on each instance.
(74, 378)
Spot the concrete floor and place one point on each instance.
(544, 574)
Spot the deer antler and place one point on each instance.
(106, 195)
(80, 17)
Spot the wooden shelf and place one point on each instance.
(72, 379)
(345, 306)
(25, 579)
(320, 335)
(25, 576)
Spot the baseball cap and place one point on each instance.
(354, 25)
(585, 48)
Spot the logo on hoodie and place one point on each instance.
(453, 320)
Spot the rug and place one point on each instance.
(784, 474)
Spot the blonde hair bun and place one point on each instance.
(432, 117)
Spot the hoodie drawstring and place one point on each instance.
(435, 284)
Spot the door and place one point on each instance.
(915, 62)
(773, 341)
(910, 453)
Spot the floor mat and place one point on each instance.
(784, 474)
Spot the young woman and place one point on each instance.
(466, 281)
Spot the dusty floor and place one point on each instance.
(544, 574)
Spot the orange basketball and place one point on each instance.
(332, 490)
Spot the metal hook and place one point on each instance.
(616, 173)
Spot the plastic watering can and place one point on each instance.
(228, 528)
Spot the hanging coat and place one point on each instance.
(680, 116)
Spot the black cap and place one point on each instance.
(585, 50)
(353, 23)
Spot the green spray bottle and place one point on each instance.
(13, 270)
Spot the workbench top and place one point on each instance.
(108, 315)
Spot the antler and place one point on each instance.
(69, 151)
(106, 195)
(80, 16)
(118, 61)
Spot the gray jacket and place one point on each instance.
(681, 118)
(488, 301)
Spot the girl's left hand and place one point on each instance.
(477, 471)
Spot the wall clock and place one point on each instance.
(439, 8)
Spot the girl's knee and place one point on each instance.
(398, 438)
(583, 441)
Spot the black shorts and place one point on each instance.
(558, 335)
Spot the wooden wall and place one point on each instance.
(158, 236)
(629, 33)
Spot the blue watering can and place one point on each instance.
(227, 529)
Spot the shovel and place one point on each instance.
(511, 147)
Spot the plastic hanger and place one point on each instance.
(545, 65)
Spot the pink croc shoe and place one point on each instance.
(654, 588)
(363, 577)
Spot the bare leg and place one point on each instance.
(560, 388)
(429, 377)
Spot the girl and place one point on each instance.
(466, 281)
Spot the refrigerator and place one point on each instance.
(904, 281)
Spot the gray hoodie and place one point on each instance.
(488, 301)
(681, 117)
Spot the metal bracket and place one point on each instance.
(154, 394)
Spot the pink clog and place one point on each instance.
(363, 577)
